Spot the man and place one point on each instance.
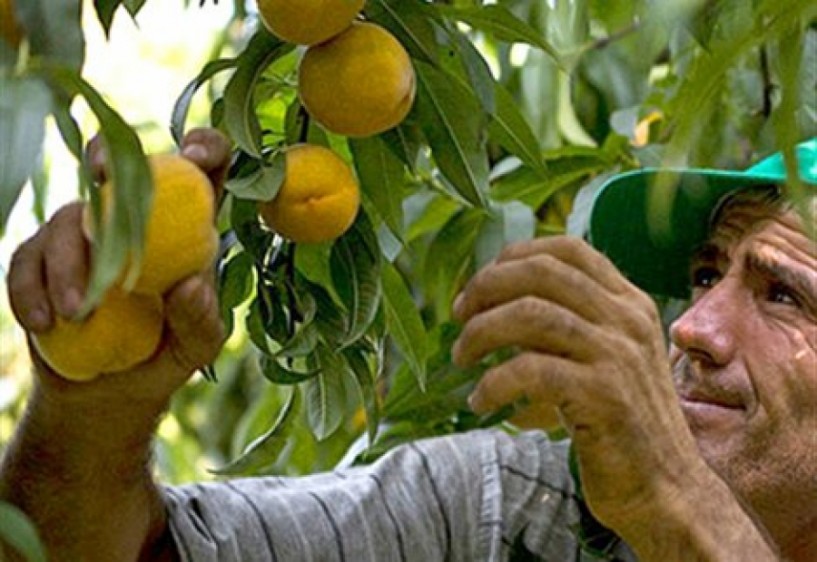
(708, 454)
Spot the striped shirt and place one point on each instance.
(478, 496)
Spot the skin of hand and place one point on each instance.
(88, 444)
(591, 355)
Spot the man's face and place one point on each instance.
(744, 357)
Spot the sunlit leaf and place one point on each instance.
(24, 105)
(512, 131)
(121, 238)
(54, 30)
(182, 106)
(239, 99)
(501, 22)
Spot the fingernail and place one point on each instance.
(456, 349)
(195, 152)
(458, 305)
(474, 402)
(71, 302)
(39, 319)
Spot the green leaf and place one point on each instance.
(410, 23)
(105, 10)
(500, 22)
(121, 237)
(247, 228)
(24, 105)
(365, 374)
(261, 454)
(404, 323)
(427, 212)
(17, 531)
(235, 283)
(452, 121)
(355, 263)
(326, 395)
(263, 184)
(54, 30)
(449, 257)
(181, 108)
(239, 99)
(512, 131)
(382, 177)
(508, 223)
(133, 6)
(477, 72)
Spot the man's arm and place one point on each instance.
(592, 356)
(79, 462)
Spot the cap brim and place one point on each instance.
(649, 222)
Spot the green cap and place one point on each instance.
(650, 221)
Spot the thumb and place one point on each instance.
(196, 332)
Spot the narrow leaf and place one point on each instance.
(54, 30)
(121, 237)
(24, 105)
(409, 21)
(355, 263)
(239, 99)
(182, 106)
(105, 10)
(512, 131)
(500, 22)
(17, 531)
(382, 177)
(404, 323)
(325, 395)
(453, 121)
(366, 377)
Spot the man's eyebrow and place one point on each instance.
(795, 277)
(707, 253)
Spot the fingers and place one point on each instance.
(26, 286)
(529, 323)
(194, 320)
(66, 260)
(574, 252)
(48, 273)
(210, 150)
(543, 381)
(540, 275)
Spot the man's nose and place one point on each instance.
(707, 329)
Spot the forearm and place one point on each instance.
(80, 470)
(703, 522)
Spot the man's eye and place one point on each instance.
(781, 294)
(705, 277)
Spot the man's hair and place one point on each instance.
(768, 195)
